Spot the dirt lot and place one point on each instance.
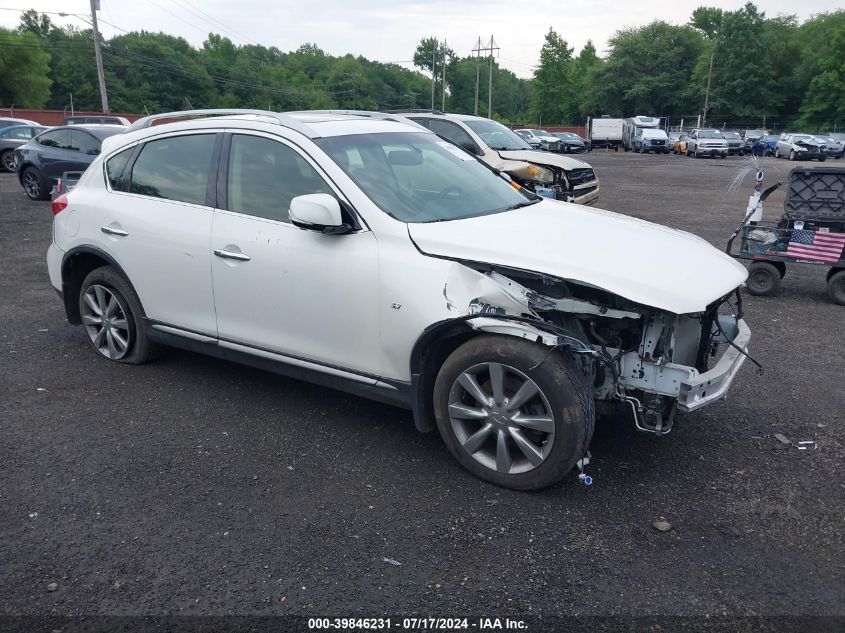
(193, 486)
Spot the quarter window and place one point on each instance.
(265, 175)
(175, 168)
(115, 166)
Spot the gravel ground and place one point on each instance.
(193, 486)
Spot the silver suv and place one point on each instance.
(547, 174)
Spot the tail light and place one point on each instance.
(59, 204)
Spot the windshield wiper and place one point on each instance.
(526, 203)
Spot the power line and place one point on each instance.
(214, 21)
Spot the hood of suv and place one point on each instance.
(544, 158)
(646, 263)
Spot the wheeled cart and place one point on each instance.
(811, 231)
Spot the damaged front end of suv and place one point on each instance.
(556, 177)
(648, 361)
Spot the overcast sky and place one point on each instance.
(389, 30)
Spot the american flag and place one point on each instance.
(823, 247)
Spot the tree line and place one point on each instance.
(760, 70)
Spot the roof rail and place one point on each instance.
(372, 114)
(282, 119)
(416, 111)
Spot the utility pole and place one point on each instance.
(490, 86)
(477, 51)
(707, 92)
(433, 71)
(104, 98)
(443, 102)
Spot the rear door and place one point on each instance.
(157, 224)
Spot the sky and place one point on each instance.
(389, 30)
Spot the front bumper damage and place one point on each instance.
(713, 385)
(652, 361)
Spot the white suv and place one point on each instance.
(362, 252)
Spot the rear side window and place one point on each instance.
(115, 167)
(56, 138)
(174, 168)
(265, 175)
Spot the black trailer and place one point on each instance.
(811, 231)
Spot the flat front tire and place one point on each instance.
(112, 317)
(513, 412)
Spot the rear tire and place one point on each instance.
(113, 317)
(35, 185)
(763, 279)
(836, 287)
(525, 445)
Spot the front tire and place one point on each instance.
(7, 160)
(113, 318)
(513, 412)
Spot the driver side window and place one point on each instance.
(454, 134)
(265, 175)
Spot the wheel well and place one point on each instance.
(22, 169)
(781, 268)
(428, 355)
(75, 268)
(833, 271)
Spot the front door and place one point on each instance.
(283, 289)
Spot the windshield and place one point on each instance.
(654, 134)
(709, 134)
(497, 136)
(802, 137)
(754, 133)
(416, 177)
(541, 133)
(733, 135)
(568, 135)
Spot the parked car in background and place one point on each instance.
(10, 121)
(43, 160)
(833, 147)
(548, 174)
(526, 136)
(361, 252)
(838, 136)
(750, 136)
(651, 140)
(547, 140)
(765, 145)
(679, 142)
(571, 143)
(800, 147)
(736, 144)
(706, 142)
(13, 137)
(96, 120)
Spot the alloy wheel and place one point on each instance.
(104, 316)
(32, 185)
(501, 418)
(9, 161)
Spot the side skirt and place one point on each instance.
(395, 393)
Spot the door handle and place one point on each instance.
(110, 230)
(241, 257)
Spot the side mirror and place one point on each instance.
(471, 147)
(318, 212)
(93, 151)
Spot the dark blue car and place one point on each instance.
(43, 160)
(765, 145)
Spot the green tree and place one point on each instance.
(820, 76)
(552, 101)
(24, 70)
